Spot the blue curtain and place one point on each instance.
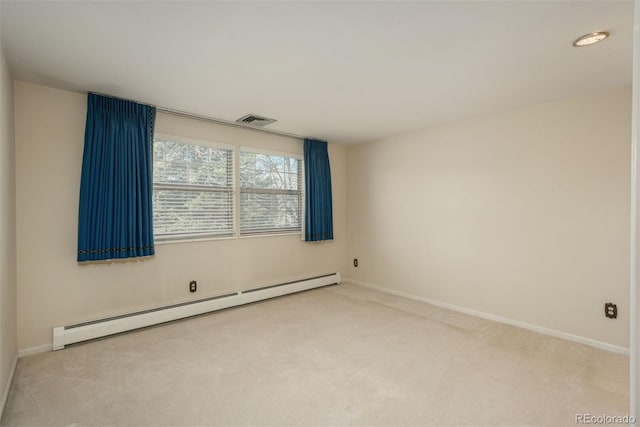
(318, 205)
(115, 215)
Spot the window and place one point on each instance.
(195, 195)
(270, 193)
(192, 190)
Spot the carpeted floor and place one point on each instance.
(342, 355)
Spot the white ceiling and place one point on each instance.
(344, 72)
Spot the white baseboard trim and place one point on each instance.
(85, 331)
(34, 350)
(535, 328)
(7, 386)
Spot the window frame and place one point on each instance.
(235, 191)
(301, 192)
(233, 158)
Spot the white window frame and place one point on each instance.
(297, 156)
(236, 192)
(192, 237)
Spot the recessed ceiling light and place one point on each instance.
(591, 38)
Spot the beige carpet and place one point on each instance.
(342, 355)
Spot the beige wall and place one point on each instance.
(522, 214)
(8, 349)
(55, 290)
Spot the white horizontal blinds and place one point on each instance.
(270, 193)
(192, 190)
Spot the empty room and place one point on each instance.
(319, 213)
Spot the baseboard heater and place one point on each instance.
(71, 334)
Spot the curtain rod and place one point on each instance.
(207, 118)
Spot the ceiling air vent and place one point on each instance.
(253, 120)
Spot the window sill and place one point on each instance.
(192, 240)
(207, 239)
(251, 236)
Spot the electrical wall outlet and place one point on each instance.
(355, 262)
(193, 286)
(611, 310)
